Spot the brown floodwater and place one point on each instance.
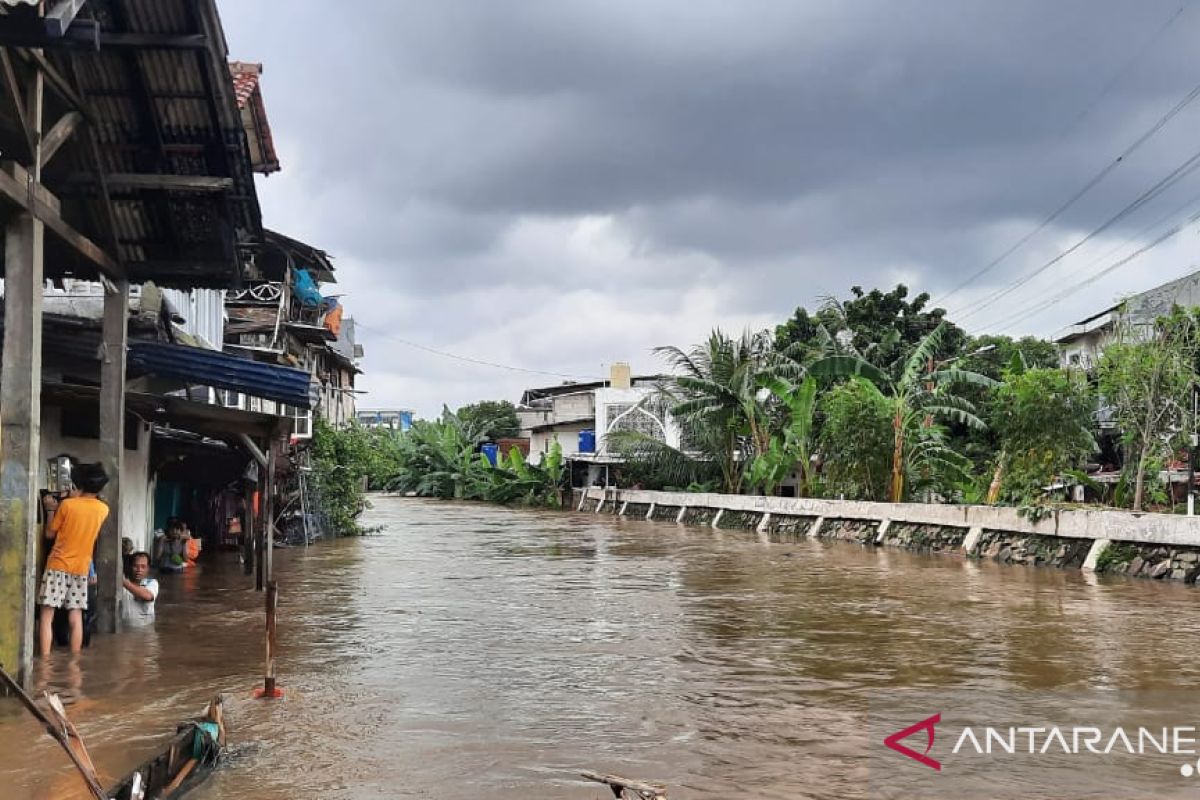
(470, 652)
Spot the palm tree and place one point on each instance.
(718, 399)
(918, 395)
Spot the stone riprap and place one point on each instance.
(924, 538)
(790, 525)
(638, 510)
(1151, 561)
(1160, 546)
(665, 513)
(739, 521)
(850, 530)
(1016, 548)
(699, 516)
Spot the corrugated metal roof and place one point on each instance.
(222, 371)
(156, 110)
(248, 91)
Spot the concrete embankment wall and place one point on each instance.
(1160, 546)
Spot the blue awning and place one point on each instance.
(200, 367)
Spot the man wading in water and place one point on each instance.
(73, 528)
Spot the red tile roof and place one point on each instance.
(248, 91)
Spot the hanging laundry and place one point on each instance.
(305, 288)
(333, 317)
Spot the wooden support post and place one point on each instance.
(112, 452)
(272, 608)
(269, 513)
(20, 431)
(248, 528)
(269, 689)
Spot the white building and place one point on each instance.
(1081, 344)
(579, 416)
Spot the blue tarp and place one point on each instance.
(200, 367)
(305, 288)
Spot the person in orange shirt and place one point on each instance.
(73, 526)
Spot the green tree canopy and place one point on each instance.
(1043, 419)
(496, 419)
(856, 441)
(882, 327)
(1147, 379)
(993, 355)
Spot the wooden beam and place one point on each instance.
(13, 87)
(112, 452)
(17, 192)
(86, 36)
(59, 134)
(20, 435)
(60, 14)
(168, 183)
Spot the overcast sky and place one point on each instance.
(556, 185)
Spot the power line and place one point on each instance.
(467, 359)
(1009, 320)
(1177, 174)
(1098, 177)
(1168, 234)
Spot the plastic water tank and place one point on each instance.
(587, 441)
(491, 452)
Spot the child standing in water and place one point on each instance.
(73, 526)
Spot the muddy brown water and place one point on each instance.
(469, 652)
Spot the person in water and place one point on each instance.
(72, 526)
(139, 593)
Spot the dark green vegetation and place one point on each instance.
(441, 459)
(880, 397)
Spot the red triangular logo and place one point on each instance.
(927, 725)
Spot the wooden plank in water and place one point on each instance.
(619, 785)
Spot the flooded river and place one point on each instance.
(469, 652)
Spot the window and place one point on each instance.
(301, 421)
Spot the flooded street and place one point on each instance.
(468, 651)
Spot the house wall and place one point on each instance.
(573, 406)
(204, 313)
(566, 435)
(620, 406)
(1084, 352)
(1150, 305)
(136, 486)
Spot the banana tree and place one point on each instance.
(920, 393)
(790, 447)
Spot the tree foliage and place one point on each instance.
(341, 460)
(1043, 419)
(1147, 379)
(883, 328)
(921, 396)
(497, 419)
(856, 441)
(442, 459)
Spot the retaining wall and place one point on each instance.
(1159, 546)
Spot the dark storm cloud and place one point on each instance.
(481, 169)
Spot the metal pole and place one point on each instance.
(270, 690)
